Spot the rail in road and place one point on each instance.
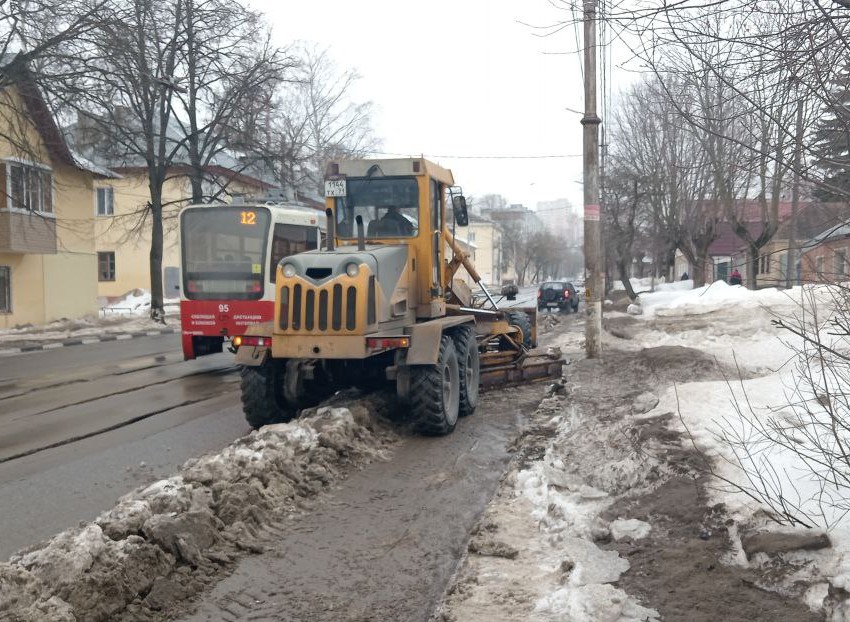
(81, 426)
(65, 406)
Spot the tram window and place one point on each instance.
(290, 240)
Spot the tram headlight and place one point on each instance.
(352, 269)
(288, 270)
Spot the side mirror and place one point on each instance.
(459, 209)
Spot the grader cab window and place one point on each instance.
(389, 207)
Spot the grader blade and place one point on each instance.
(527, 368)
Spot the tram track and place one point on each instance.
(94, 433)
(64, 409)
(11, 388)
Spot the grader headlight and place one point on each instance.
(352, 269)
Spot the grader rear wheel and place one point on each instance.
(469, 367)
(435, 392)
(262, 394)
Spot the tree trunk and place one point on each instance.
(698, 272)
(623, 269)
(157, 312)
(752, 267)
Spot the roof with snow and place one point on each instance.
(88, 139)
(16, 71)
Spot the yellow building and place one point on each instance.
(123, 226)
(48, 261)
(486, 237)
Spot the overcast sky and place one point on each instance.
(452, 78)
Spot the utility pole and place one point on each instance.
(791, 261)
(594, 286)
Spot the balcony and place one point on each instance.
(26, 232)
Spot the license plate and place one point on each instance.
(335, 188)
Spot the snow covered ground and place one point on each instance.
(128, 314)
(539, 551)
(542, 550)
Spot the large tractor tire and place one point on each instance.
(521, 320)
(469, 369)
(262, 394)
(435, 392)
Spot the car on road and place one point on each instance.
(560, 294)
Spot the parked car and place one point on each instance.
(560, 294)
(510, 290)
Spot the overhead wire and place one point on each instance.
(477, 157)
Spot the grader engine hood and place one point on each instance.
(387, 263)
(367, 287)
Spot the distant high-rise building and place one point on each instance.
(561, 218)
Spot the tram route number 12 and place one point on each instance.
(248, 218)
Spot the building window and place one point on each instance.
(106, 266)
(472, 236)
(819, 265)
(5, 289)
(839, 262)
(105, 200)
(764, 264)
(30, 187)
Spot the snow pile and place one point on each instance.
(793, 399)
(127, 314)
(535, 553)
(680, 299)
(167, 540)
(574, 483)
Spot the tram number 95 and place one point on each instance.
(248, 218)
(223, 308)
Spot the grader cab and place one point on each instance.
(381, 304)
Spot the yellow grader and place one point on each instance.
(379, 303)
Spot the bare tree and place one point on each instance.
(491, 202)
(29, 32)
(311, 119)
(226, 59)
(157, 84)
(546, 254)
(119, 80)
(623, 201)
(660, 161)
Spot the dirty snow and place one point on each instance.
(122, 315)
(549, 511)
(734, 325)
(168, 540)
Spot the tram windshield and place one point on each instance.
(223, 251)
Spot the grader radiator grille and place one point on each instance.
(329, 309)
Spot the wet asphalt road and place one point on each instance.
(81, 426)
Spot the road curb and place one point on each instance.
(86, 341)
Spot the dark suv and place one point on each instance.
(561, 294)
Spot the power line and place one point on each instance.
(479, 157)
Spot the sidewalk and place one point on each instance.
(115, 322)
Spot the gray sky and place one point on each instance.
(460, 78)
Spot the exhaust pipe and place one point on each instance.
(331, 226)
(361, 235)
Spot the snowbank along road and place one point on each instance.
(396, 527)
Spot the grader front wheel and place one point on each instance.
(435, 392)
(522, 320)
(262, 394)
